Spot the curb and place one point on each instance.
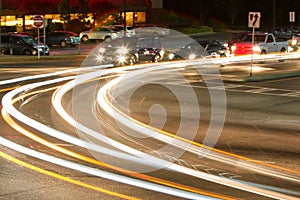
(7, 59)
(262, 77)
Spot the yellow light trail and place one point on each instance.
(55, 175)
(8, 89)
(40, 140)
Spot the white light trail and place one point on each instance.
(181, 169)
(101, 173)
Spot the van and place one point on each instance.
(19, 44)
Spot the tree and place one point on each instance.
(100, 9)
(34, 7)
(83, 9)
(202, 8)
(64, 9)
(232, 7)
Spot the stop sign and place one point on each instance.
(38, 21)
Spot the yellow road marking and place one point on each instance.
(55, 175)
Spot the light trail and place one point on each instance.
(183, 143)
(44, 142)
(38, 76)
(181, 169)
(64, 178)
(101, 173)
(87, 80)
(167, 137)
(43, 127)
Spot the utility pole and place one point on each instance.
(0, 20)
(274, 14)
(124, 22)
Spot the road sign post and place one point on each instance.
(292, 18)
(253, 22)
(38, 22)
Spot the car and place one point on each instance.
(215, 48)
(130, 31)
(189, 51)
(61, 38)
(151, 30)
(19, 44)
(261, 43)
(100, 34)
(119, 51)
(131, 50)
(149, 49)
(201, 49)
(283, 32)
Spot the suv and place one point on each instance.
(100, 34)
(62, 38)
(22, 45)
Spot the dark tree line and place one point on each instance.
(235, 12)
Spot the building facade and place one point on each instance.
(16, 15)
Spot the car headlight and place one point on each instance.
(294, 42)
(122, 50)
(233, 48)
(101, 50)
(192, 56)
(171, 56)
(256, 48)
(100, 58)
(121, 59)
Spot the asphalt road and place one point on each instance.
(261, 125)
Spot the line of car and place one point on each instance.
(111, 32)
(149, 48)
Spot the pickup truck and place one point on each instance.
(263, 43)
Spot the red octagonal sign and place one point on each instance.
(38, 21)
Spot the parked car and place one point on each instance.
(131, 50)
(62, 38)
(20, 44)
(101, 33)
(283, 32)
(130, 32)
(151, 30)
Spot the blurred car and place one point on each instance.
(131, 50)
(149, 49)
(62, 38)
(119, 51)
(101, 33)
(151, 30)
(190, 51)
(215, 49)
(22, 45)
(130, 32)
(283, 32)
(236, 38)
(201, 49)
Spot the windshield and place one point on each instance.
(257, 38)
(29, 40)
